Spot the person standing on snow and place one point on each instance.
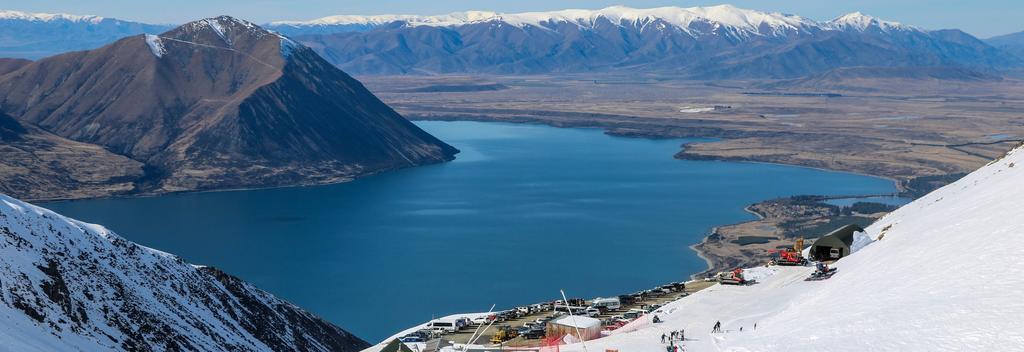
(662, 338)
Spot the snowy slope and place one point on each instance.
(71, 286)
(942, 275)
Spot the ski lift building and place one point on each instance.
(835, 244)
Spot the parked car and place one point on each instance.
(534, 334)
(426, 334)
(638, 311)
(592, 312)
(538, 307)
(411, 338)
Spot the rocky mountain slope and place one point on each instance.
(216, 103)
(72, 286)
(38, 35)
(699, 42)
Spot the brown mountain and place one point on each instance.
(8, 65)
(217, 103)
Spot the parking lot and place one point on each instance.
(611, 319)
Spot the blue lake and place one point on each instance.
(524, 211)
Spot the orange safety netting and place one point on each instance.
(551, 343)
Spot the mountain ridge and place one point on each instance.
(715, 42)
(711, 42)
(217, 103)
(1013, 43)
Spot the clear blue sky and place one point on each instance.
(982, 18)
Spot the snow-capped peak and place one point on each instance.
(229, 30)
(47, 17)
(857, 21)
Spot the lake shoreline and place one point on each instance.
(524, 183)
(714, 262)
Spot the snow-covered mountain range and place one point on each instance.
(701, 42)
(72, 286)
(38, 35)
(695, 21)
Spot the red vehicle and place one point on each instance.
(792, 256)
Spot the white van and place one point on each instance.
(442, 326)
(606, 304)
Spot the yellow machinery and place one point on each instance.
(504, 333)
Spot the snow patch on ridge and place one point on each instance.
(215, 24)
(288, 46)
(156, 46)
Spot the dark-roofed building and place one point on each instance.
(836, 244)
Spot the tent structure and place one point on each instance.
(836, 244)
(396, 346)
(589, 328)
